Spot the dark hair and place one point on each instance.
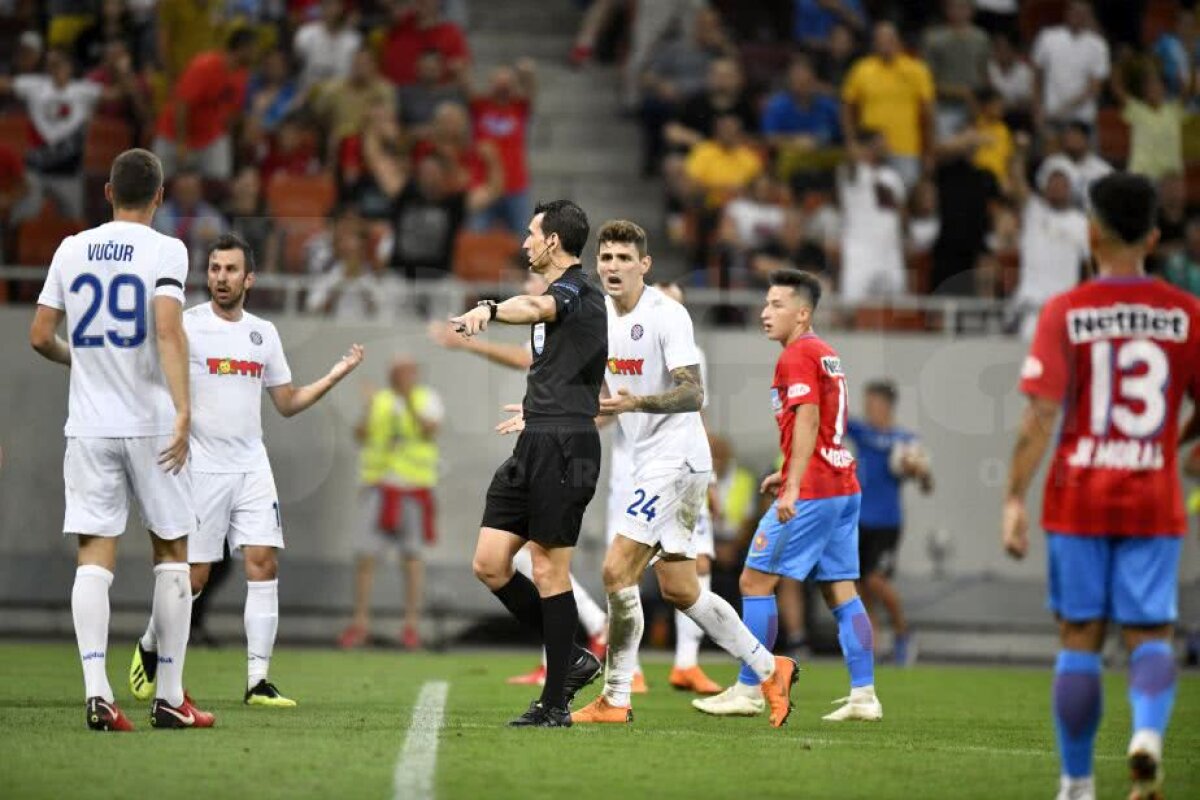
(231, 241)
(240, 37)
(135, 177)
(622, 231)
(883, 388)
(798, 281)
(1125, 204)
(567, 220)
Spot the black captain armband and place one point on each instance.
(492, 307)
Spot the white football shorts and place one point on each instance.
(242, 507)
(661, 508)
(98, 475)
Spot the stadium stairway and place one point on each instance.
(581, 146)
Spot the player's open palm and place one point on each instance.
(175, 455)
(1015, 529)
(348, 363)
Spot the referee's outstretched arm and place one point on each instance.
(524, 309)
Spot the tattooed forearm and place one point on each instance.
(686, 395)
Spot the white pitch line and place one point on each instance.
(417, 766)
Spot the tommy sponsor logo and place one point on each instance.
(110, 251)
(832, 365)
(92, 655)
(626, 366)
(1124, 320)
(798, 390)
(233, 366)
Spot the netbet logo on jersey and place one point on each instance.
(626, 366)
(233, 366)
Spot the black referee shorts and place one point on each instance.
(542, 490)
(877, 550)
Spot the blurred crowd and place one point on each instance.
(914, 147)
(342, 138)
(927, 146)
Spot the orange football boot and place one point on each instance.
(693, 679)
(599, 710)
(777, 690)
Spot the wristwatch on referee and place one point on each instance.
(491, 305)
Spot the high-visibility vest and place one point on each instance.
(413, 459)
(738, 502)
(375, 455)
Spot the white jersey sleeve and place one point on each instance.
(52, 290)
(172, 270)
(677, 338)
(276, 372)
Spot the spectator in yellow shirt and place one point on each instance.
(1155, 125)
(892, 92)
(720, 167)
(995, 150)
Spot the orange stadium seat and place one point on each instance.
(106, 139)
(1113, 135)
(37, 239)
(295, 196)
(14, 131)
(484, 256)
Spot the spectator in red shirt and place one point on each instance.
(502, 116)
(416, 27)
(127, 94)
(203, 105)
(291, 150)
(471, 166)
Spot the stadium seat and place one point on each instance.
(37, 239)
(1113, 136)
(106, 139)
(14, 132)
(297, 232)
(484, 257)
(295, 196)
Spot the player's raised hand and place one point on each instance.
(444, 335)
(473, 322)
(620, 403)
(514, 424)
(770, 483)
(348, 363)
(1015, 528)
(175, 455)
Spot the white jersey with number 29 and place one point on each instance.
(105, 280)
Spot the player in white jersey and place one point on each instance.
(234, 356)
(654, 388)
(686, 673)
(519, 357)
(120, 288)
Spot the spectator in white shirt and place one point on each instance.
(1013, 79)
(351, 289)
(872, 197)
(1076, 140)
(1054, 236)
(325, 48)
(752, 221)
(1073, 63)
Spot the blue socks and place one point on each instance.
(762, 618)
(857, 640)
(1152, 686)
(1077, 707)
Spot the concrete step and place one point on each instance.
(506, 16)
(571, 131)
(586, 162)
(494, 47)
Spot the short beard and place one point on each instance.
(234, 302)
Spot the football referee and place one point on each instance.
(539, 494)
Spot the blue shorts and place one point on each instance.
(822, 536)
(1129, 580)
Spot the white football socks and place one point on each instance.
(262, 622)
(172, 622)
(723, 625)
(90, 611)
(591, 615)
(688, 634)
(625, 625)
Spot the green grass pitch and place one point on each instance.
(948, 732)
